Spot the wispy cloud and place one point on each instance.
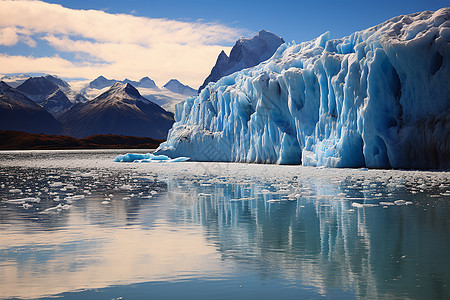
(115, 45)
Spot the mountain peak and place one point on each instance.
(101, 82)
(58, 81)
(172, 81)
(246, 53)
(175, 86)
(120, 90)
(37, 85)
(146, 82)
(131, 90)
(4, 85)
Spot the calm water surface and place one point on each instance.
(75, 225)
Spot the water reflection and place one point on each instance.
(361, 235)
(318, 238)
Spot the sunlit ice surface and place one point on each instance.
(74, 224)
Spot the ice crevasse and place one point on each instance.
(379, 98)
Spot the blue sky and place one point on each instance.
(146, 41)
(293, 20)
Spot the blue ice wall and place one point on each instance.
(379, 98)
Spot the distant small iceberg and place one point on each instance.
(148, 158)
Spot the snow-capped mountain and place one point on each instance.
(18, 112)
(120, 110)
(379, 98)
(166, 98)
(146, 82)
(63, 85)
(245, 53)
(51, 93)
(102, 82)
(175, 86)
(45, 93)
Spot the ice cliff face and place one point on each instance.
(379, 98)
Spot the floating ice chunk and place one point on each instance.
(24, 200)
(125, 187)
(70, 187)
(70, 199)
(148, 157)
(387, 203)
(179, 159)
(130, 157)
(402, 202)
(360, 205)
(159, 157)
(55, 210)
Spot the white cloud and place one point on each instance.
(9, 36)
(116, 45)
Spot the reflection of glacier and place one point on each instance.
(320, 241)
(378, 98)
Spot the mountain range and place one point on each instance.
(172, 93)
(121, 110)
(102, 82)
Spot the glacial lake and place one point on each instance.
(76, 225)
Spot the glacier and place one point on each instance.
(379, 98)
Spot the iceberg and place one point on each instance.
(148, 157)
(379, 98)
